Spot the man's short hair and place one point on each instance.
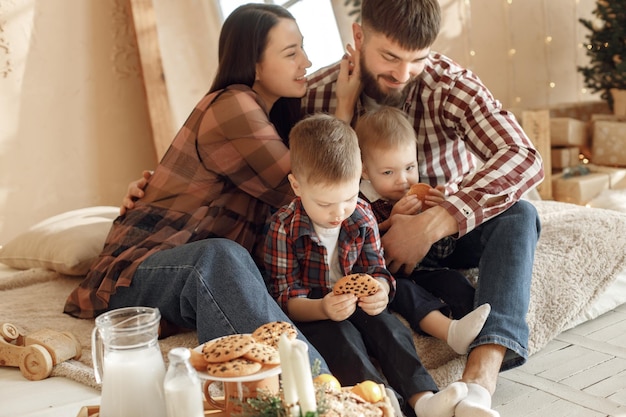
(413, 24)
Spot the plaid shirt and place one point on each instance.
(296, 262)
(223, 172)
(465, 139)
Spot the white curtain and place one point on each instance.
(188, 36)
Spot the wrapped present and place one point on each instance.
(566, 131)
(536, 124)
(619, 102)
(609, 143)
(580, 111)
(565, 156)
(617, 176)
(579, 189)
(607, 118)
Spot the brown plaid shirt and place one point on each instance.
(223, 172)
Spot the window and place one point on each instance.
(316, 20)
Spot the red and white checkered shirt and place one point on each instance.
(466, 140)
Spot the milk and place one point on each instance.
(134, 383)
(181, 400)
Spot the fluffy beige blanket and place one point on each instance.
(578, 255)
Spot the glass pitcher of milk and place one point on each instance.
(128, 363)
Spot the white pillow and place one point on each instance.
(67, 243)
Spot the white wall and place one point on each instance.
(74, 126)
(519, 47)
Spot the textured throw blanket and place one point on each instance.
(579, 254)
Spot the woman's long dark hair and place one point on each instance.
(243, 40)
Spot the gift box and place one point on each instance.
(579, 189)
(536, 124)
(565, 156)
(609, 143)
(619, 102)
(566, 131)
(581, 110)
(607, 118)
(617, 176)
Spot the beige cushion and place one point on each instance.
(67, 243)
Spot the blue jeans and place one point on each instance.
(211, 285)
(503, 248)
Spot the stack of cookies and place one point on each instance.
(243, 354)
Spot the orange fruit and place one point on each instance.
(370, 391)
(329, 381)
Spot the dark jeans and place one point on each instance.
(349, 345)
(425, 291)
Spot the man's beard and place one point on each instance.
(392, 97)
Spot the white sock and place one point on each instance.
(443, 403)
(463, 332)
(476, 404)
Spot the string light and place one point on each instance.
(467, 22)
(511, 79)
(547, 52)
(578, 48)
(516, 94)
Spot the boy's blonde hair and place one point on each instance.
(324, 150)
(384, 128)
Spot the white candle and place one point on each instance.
(304, 379)
(290, 393)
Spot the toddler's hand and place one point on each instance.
(435, 197)
(339, 307)
(409, 204)
(376, 303)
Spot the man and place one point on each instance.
(469, 143)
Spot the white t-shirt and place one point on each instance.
(329, 238)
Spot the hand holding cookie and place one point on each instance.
(338, 307)
(374, 304)
(359, 284)
(420, 190)
(428, 195)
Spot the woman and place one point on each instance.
(224, 171)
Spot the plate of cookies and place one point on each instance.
(242, 357)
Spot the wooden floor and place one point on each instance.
(582, 373)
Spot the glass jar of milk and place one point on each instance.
(128, 362)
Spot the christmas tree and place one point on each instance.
(606, 48)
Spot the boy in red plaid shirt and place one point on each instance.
(325, 233)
